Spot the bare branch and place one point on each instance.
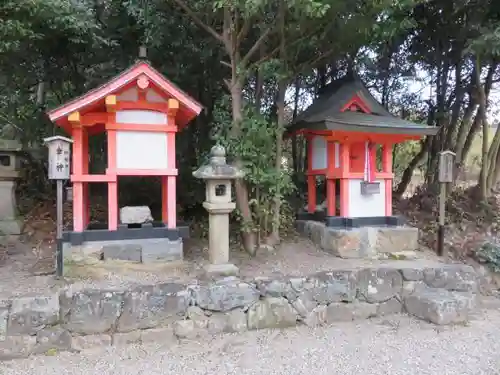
(244, 30)
(256, 46)
(198, 21)
(314, 62)
(225, 63)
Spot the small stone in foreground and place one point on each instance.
(440, 306)
(216, 270)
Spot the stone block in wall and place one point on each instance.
(396, 239)
(345, 312)
(440, 306)
(304, 305)
(90, 311)
(14, 347)
(28, 315)
(231, 321)
(131, 252)
(271, 313)
(454, 277)
(161, 250)
(315, 317)
(278, 287)
(330, 286)
(379, 284)
(225, 295)
(412, 274)
(158, 335)
(151, 306)
(90, 341)
(135, 215)
(409, 287)
(53, 338)
(390, 307)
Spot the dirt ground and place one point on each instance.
(18, 276)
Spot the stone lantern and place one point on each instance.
(9, 172)
(218, 175)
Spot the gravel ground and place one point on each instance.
(395, 345)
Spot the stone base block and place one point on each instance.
(365, 242)
(440, 306)
(150, 250)
(161, 250)
(397, 239)
(10, 227)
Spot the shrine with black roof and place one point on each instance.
(344, 127)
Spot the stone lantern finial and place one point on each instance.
(218, 155)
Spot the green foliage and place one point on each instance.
(255, 150)
(489, 253)
(403, 154)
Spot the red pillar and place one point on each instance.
(344, 182)
(311, 180)
(169, 186)
(330, 182)
(387, 168)
(85, 185)
(164, 200)
(78, 194)
(112, 185)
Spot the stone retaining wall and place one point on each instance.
(75, 320)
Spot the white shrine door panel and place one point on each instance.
(319, 155)
(141, 117)
(141, 150)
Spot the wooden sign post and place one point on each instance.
(59, 170)
(446, 166)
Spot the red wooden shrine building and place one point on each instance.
(344, 127)
(140, 111)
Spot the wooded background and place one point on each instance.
(254, 65)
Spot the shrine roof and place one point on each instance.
(188, 107)
(330, 112)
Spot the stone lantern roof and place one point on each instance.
(10, 145)
(217, 168)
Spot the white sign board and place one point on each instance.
(59, 157)
(446, 166)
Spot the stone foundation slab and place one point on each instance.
(150, 250)
(364, 242)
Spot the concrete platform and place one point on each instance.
(365, 242)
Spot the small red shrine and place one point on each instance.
(140, 111)
(345, 128)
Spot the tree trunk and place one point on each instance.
(280, 104)
(241, 190)
(274, 238)
(408, 172)
(483, 175)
